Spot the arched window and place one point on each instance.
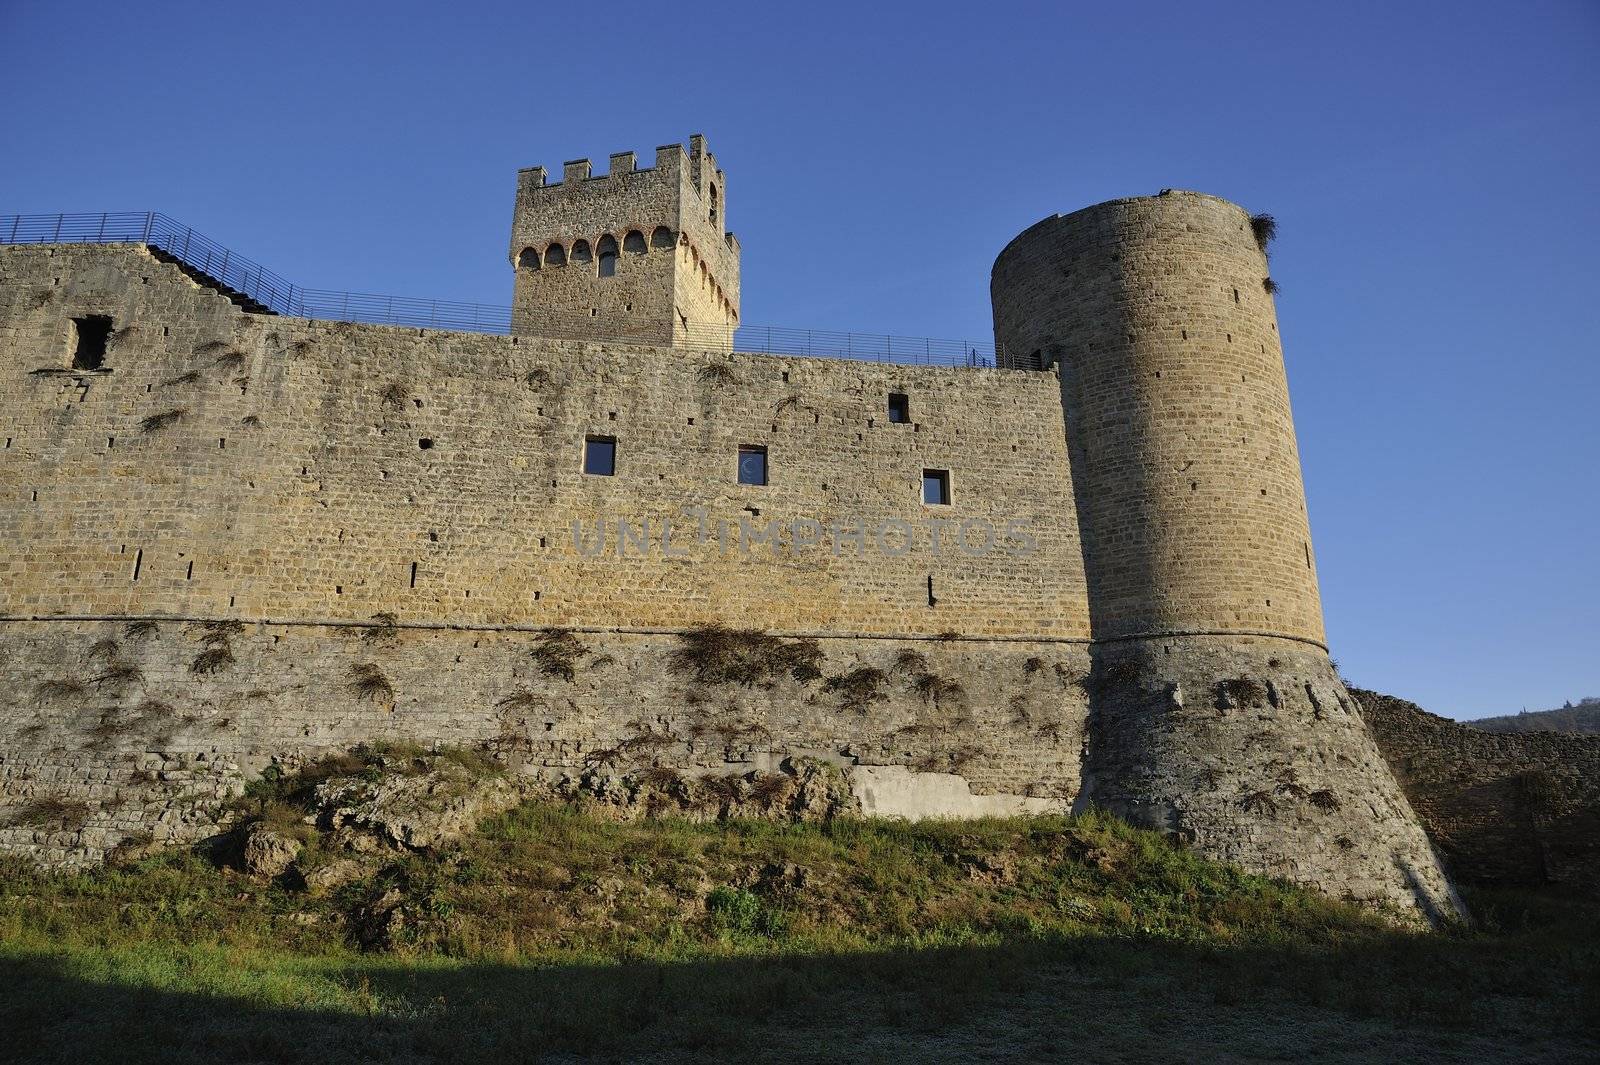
(606, 250)
(633, 243)
(555, 255)
(580, 251)
(529, 259)
(662, 238)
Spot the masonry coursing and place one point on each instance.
(314, 505)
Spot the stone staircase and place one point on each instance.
(200, 277)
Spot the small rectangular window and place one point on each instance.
(752, 464)
(600, 456)
(936, 487)
(90, 335)
(899, 408)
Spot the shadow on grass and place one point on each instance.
(1409, 997)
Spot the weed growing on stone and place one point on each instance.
(858, 689)
(558, 652)
(1264, 228)
(368, 682)
(717, 655)
(155, 423)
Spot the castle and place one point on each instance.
(236, 536)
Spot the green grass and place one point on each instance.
(554, 932)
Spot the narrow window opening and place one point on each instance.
(600, 456)
(933, 600)
(752, 464)
(899, 408)
(188, 574)
(413, 574)
(138, 562)
(90, 335)
(1236, 295)
(1308, 553)
(936, 487)
(607, 251)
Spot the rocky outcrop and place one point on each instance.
(417, 805)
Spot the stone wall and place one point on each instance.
(256, 467)
(387, 516)
(1252, 749)
(1517, 808)
(119, 731)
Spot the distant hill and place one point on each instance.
(1580, 719)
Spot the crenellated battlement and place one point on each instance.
(697, 161)
(633, 243)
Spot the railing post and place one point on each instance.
(149, 219)
(101, 235)
(16, 220)
(57, 238)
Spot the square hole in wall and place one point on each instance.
(899, 408)
(600, 456)
(936, 487)
(752, 464)
(90, 334)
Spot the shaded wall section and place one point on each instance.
(1504, 809)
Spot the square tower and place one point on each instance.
(634, 254)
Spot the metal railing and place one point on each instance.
(270, 291)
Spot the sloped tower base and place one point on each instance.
(1253, 751)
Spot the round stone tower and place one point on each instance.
(1215, 712)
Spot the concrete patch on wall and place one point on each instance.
(900, 791)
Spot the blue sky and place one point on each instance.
(1434, 168)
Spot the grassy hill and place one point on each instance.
(1582, 719)
(554, 935)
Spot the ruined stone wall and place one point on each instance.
(246, 466)
(1504, 808)
(1178, 416)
